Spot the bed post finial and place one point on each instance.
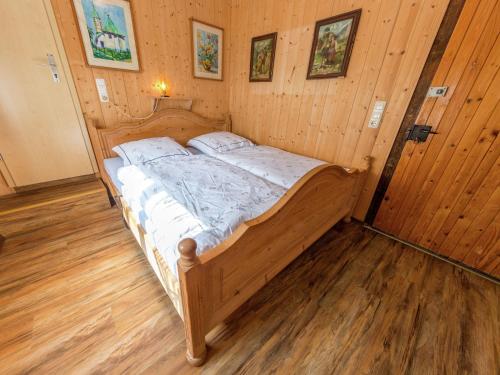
(228, 123)
(188, 259)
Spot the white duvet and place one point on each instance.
(280, 167)
(196, 196)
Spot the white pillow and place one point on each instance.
(217, 142)
(149, 149)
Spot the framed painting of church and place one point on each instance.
(107, 33)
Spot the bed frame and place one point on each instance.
(214, 284)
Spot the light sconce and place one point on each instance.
(163, 87)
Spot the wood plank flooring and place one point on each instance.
(79, 298)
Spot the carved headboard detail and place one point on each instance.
(179, 124)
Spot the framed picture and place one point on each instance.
(207, 43)
(262, 57)
(332, 45)
(107, 33)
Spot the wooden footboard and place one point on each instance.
(217, 282)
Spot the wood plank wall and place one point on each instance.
(328, 118)
(445, 193)
(163, 35)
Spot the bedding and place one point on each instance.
(217, 142)
(198, 197)
(149, 149)
(112, 166)
(277, 166)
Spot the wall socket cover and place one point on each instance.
(102, 90)
(377, 113)
(437, 91)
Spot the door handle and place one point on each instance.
(419, 133)
(53, 68)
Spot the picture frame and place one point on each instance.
(262, 53)
(107, 33)
(207, 42)
(332, 45)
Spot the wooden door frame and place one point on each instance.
(424, 82)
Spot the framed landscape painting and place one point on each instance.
(262, 57)
(207, 43)
(332, 45)
(107, 33)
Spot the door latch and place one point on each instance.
(419, 133)
(53, 68)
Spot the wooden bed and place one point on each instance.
(213, 285)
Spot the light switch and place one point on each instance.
(376, 117)
(102, 90)
(437, 91)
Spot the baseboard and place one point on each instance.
(438, 256)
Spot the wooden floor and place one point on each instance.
(78, 297)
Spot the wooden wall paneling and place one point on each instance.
(466, 246)
(164, 43)
(485, 254)
(380, 39)
(462, 24)
(482, 185)
(416, 51)
(296, 76)
(321, 86)
(415, 153)
(466, 157)
(460, 80)
(326, 118)
(349, 86)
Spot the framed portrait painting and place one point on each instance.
(262, 57)
(107, 33)
(332, 45)
(207, 43)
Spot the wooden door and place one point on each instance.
(445, 192)
(41, 137)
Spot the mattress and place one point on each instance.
(196, 196)
(277, 166)
(112, 166)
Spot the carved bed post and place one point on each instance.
(193, 303)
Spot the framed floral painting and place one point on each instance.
(107, 33)
(262, 57)
(332, 45)
(207, 50)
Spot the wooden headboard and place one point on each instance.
(180, 124)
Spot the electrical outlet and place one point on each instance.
(377, 113)
(102, 90)
(437, 91)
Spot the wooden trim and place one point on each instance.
(179, 124)
(274, 37)
(192, 19)
(355, 15)
(439, 46)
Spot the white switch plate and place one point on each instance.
(377, 113)
(436, 91)
(102, 90)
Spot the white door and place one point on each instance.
(42, 137)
